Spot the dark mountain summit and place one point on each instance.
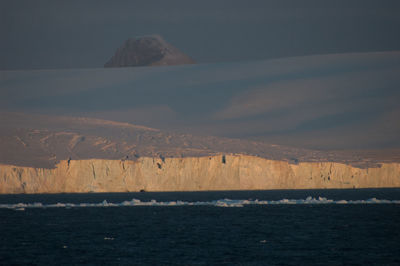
(150, 50)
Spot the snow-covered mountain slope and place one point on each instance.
(338, 101)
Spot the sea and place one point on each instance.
(276, 227)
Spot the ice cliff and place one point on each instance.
(222, 172)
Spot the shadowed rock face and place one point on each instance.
(147, 51)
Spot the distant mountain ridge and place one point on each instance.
(150, 50)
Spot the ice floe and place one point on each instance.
(216, 203)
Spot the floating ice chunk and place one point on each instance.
(228, 203)
(216, 203)
(126, 203)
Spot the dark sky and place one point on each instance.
(70, 34)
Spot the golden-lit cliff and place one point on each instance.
(230, 172)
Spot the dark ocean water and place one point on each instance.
(260, 228)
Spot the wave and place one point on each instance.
(216, 203)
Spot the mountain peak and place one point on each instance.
(149, 50)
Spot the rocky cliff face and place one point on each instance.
(231, 172)
(150, 50)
